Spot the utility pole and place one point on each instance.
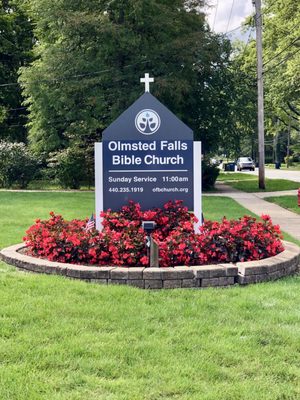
(288, 143)
(260, 94)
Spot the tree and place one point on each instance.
(17, 165)
(281, 49)
(16, 41)
(244, 99)
(281, 69)
(282, 56)
(90, 56)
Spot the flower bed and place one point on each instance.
(122, 240)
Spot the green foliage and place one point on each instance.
(17, 165)
(16, 41)
(281, 40)
(90, 56)
(282, 59)
(296, 152)
(68, 167)
(209, 175)
(244, 102)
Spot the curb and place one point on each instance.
(217, 275)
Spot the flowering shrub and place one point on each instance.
(244, 239)
(122, 240)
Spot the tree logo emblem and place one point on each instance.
(147, 122)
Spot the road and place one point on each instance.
(278, 174)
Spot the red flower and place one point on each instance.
(144, 260)
(122, 241)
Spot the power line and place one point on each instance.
(17, 109)
(282, 61)
(250, 31)
(285, 33)
(217, 5)
(248, 41)
(54, 80)
(268, 9)
(8, 84)
(234, 29)
(286, 48)
(232, 4)
(76, 76)
(241, 26)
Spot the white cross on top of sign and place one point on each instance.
(147, 80)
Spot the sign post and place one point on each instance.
(147, 156)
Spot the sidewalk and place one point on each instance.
(287, 220)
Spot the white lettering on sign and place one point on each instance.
(135, 146)
(126, 160)
(165, 145)
(154, 160)
(149, 159)
(173, 146)
(145, 179)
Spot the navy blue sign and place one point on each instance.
(147, 157)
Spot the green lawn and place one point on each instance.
(272, 185)
(51, 185)
(235, 176)
(294, 167)
(289, 202)
(19, 210)
(67, 340)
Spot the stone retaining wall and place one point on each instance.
(219, 275)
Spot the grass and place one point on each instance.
(68, 340)
(52, 185)
(216, 208)
(19, 210)
(272, 185)
(235, 176)
(288, 202)
(294, 167)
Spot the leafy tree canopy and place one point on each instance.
(90, 55)
(16, 41)
(281, 50)
(282, 60)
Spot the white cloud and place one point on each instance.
(219, 14)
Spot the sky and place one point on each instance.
(226, 15)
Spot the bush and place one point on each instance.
(122, 240)
(68, 167)
(288, 160)
(17, 165)
(209, 175)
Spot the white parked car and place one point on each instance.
(245, 163)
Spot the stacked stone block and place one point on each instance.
(219, 275)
